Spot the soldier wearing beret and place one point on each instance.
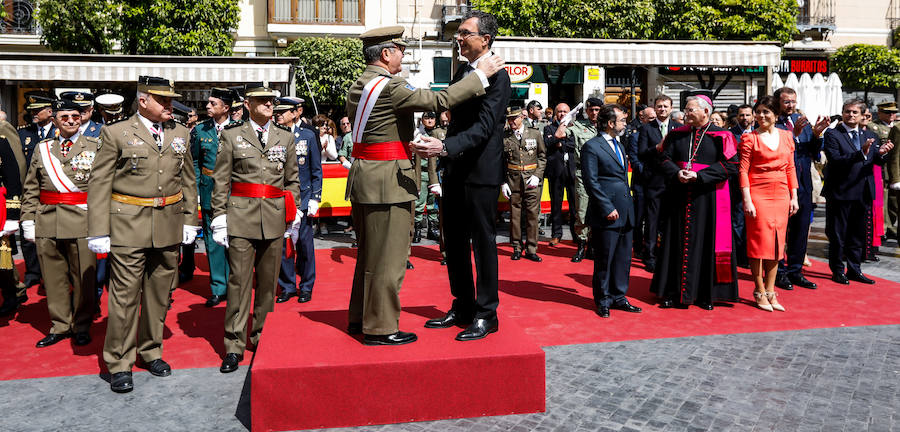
(204, 148)
(525, 157)
(254, 205)
(381, 185)
(142, 203)
(54, 217)
(85, 100)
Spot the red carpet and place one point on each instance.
(551, 301)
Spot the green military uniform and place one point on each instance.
(582, 130)
(346, 148)
(524, 156)
(256, 225)
(382, 191)
(426, 172)
(141, 195)
(204, 147)
(61, 233)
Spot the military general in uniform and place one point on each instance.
(254, 204)
(381, 185)
(142, 203)
(54, 217)
(525, 158)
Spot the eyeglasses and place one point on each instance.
(66, 117)
(464, 34)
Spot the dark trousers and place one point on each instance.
(652, 214)
(798, 240)
(612, 264)
(305, 264)
(186, 266)
(739, 230)
(558, 185)
(846, 230)
(32, 265)
(470, 214)
(639, 198)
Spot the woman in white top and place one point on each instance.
(326, 137)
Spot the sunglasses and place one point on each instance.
(66, 117)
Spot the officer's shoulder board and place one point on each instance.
(234, 124)
(279, 126)
(114, 121)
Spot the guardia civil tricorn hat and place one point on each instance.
(157, 86)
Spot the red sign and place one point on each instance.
(799, 66)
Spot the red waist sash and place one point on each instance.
(722, 231)
(256, 190)
(71, 198)
(383, 151)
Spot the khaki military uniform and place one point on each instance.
(256, 226)
(382, 192)
(582, 130)
(893, 176)
(426, 172)
(141, 196)
(524, 157)
(60, 235)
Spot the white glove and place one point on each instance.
(293, 233)
(312, 208)
(895, 186)
(99, 244)
(28, 230)
(533, 182)
(436, 189)
(219, 227)
(565, 157)
(506, 191)
(571, 115)
(188, 234)
(9, 227)
(346, 164)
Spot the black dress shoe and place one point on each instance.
(579, 253)
(451, 319)
(782, 281)
(873, 258)
(479, 329)
(627, 307)
(285, 296)
(417, 236)
(705, 306)
(354, 328)
(802, 282)
(533, 257)
(443, 262)
(399, 338)
(650, 266)
(304, 297)
(840, 278)
(159, 368)
(667, 303)
(51, 339)
(214, 300)
(82, 339)
(409, 265)
(589, 253)
(230, 362)
(859, 277)
(516, 255)
(120, 382)
(603, 311)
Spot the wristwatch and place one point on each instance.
(443, 149)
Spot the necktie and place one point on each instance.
(155, 130)
(663, 130)
(854, 136)
(790, 123)
(41, 133)
(259, 134)
(65, 147)
(618, 153)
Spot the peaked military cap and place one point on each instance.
(84, 99)
(38, 102)
(513, 112)
(429, 114)
(383, 34)
(157, 86)
(295, 99)
(67, 105)
(111, 103)
(887, 107)
(181, 108)
(284, 104)
(259, 89)
(228, 96)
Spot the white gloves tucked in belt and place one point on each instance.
(312, 208)
(895, 186)
(533, 182)
(99, 244)
(28, 230)
(219, 227)
(346, 164)
(9, 227)
(506, 190)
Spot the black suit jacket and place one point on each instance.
(606, 182)
(648, 138)
(29, 137)
(556, 151)
(475, 137)
(848, 173)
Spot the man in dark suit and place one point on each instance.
(473, 154)
(604, 169)
(744, 125)
(807, 145)
(561, 174)
(651, 179)
(849, 185)
(632, 132)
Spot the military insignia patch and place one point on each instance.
(410, 87)
(302, 147)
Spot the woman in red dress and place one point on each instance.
(769, 186)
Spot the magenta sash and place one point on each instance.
(878, 207)
(722, 229)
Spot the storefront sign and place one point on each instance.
(696, 69)
(519, 73)
(806, 65)
(593, 73)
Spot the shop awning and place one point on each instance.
(113, 68)
(637, 53)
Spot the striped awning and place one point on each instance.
(188, 70)
(637, 53)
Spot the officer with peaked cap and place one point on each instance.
(110, 106)
(204, 148)
(142, 203)
(254, 205)
(525, 157)
(381, 184)
(86, 101)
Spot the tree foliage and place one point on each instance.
(330, 65)
(867, 67)
(153, 27)
(773, 20)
